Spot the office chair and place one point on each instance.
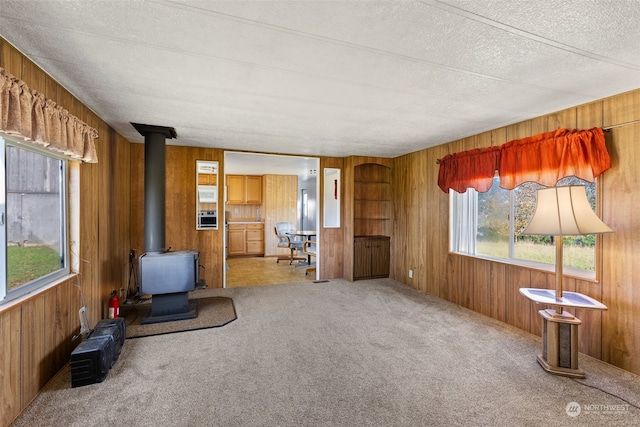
(287, 241)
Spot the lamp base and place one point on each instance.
(556, 370)
(560, 344)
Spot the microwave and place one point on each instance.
(207, 193)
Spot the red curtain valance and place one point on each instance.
(545, 158)
(473, 168)
(32, 117)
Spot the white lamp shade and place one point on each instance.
(564, 211)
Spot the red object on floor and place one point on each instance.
(114, 306)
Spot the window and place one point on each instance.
(489, 224)
(33, 194)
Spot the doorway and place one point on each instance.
(295, 202)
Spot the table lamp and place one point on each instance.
(562, 211)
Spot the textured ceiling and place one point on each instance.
(330, 78)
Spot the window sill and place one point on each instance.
(547, 268)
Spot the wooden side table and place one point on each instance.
(560, 329)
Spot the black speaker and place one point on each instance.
(91, 361)
(114, 328)
(119, 322)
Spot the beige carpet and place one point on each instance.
(340, 354)
(210, 313)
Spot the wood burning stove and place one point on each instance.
(166, 276)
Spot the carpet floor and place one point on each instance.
(366, 353)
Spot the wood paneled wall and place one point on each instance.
(245, 212)
(36, 334)
(180, 231)
(421, 224)
(621, 264)
(331, 239)
(280, 194)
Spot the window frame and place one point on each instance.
(7, 295)
(587, 275)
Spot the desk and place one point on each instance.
(307, 235)
(560, 329)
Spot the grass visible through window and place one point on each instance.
(26, 263)
(576, 256)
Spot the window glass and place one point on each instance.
(492, 236)
(501, 215)
(34, 226)
(531, 248)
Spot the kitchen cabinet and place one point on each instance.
(236, 239)
(244, 189)
(255, 239)
(371, 256)
(253, 189)
(207, 179)
(235, 189)
(246, 239)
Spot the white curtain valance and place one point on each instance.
(30, 116)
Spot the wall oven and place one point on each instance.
(207, 219)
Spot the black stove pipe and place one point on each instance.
(154, 192)
(154, 184)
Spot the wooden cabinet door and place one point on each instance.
(253, 190)
(371, 257)
(207, 179)
(361, 258)
(235, 189)
(236, 241)
(380, 258)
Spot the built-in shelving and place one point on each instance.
(372, 207)
(368, 216)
